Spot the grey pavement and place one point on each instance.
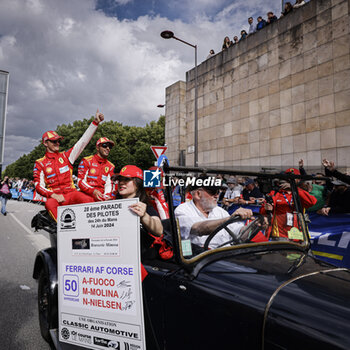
(19, 326)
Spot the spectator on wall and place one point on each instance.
(252, 27)
(299, 3)
(235, 40)
(211, 53)
(261, 23)
(227, 43)
(288, 8)
(271, 18)
(243, 35)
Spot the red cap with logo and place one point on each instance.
(104, 140)
(131, 171)
(292, 171)
(51, 136)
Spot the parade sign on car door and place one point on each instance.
(100, 299)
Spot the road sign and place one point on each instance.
(158, 150)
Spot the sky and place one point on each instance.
(67, 58)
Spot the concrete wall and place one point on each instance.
(280, 95)
(175, 126)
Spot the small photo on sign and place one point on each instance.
(68, 221)
(81, 243)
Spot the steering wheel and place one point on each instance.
(248, 232)
(223, 226)
(245, 235)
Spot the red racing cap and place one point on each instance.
(104, 140)
(292, 171)
(51, 135)
(131, 171)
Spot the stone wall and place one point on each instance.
(175, 126)
(278, 96)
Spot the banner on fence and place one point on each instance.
(330, 238)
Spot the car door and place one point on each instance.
(211, 311)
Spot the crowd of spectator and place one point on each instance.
(8, 185)
(260, 24)
(22, 184)
(330, 191)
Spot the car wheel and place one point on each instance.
(44, 305)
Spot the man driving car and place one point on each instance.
(200, 216)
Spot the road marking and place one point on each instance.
(24, 287)
(38, 240)
(22, 225)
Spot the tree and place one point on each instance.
(132, 145)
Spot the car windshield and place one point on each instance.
(241, 211)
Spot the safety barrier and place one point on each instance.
(330, 236)
(27, 195)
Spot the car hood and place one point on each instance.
(315, 308)
(255, 276)
(293, 292)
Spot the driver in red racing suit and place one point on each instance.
(53, 173)
(283, 208)
(95, 172)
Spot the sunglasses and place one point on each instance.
(212, 191)
(55, 142)
(105, 145)
(123, 179)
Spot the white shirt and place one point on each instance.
(299, 5)
(188, 214)
(252, 28)
(234, 192)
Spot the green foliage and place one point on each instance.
(132, 145)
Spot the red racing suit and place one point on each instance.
(283, 204)
(94, 173)
(158, 202)
(53, 174)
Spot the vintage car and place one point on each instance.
(272, 294)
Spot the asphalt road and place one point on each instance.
(19, 326)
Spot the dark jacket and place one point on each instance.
(271, 20)
(339, 202)
(261, 25)
(340, 176)
(254, 193)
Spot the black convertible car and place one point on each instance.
(271, 294)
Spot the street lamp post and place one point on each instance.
(167, 34)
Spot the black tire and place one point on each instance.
(44, 306)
